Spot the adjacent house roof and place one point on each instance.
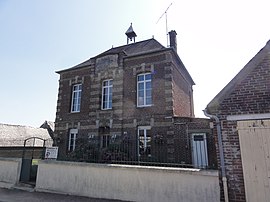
(229, 88)
(14, 136)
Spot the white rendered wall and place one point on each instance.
(131, 183)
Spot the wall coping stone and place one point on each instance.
(191, 171)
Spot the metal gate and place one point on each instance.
(254, 137)
(33, 150)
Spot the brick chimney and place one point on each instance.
(173, 42)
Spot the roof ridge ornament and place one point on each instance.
(130, 34)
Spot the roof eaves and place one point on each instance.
(214, 104)
(182, 64)
(84, 64)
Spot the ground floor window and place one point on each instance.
(104, 133)
(144, 141)
(105, 141)
(72, 139)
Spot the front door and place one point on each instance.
(199, 150)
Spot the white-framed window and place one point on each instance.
(76, 98)
(107, 86)
(144, 141)
(72, 139)
(144, 90)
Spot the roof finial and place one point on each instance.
(130, 34)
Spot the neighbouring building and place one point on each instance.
(242, 110)
(16, 139)
(139, 94)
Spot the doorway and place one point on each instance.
(33, 151)
(199, 150)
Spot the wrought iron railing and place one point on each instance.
(192, 151)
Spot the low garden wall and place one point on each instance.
(130, 183)
(10, 169)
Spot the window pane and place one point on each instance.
(105, 83)
(148, 101)
(77, 108)
(105, 91)
(104, 105)
(148, 85)
(140, 93)
(104, 98)
(140, 86)
(109, 105)
(140, 77)
(148, 76)
(140, 101)
(148, 93)
(110, 90)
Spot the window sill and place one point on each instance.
(143, 106)
(106, 109)
(75, 112)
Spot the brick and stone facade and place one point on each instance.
(172, 95)
(247, 94)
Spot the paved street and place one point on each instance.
(14, 195)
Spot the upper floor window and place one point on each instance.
(72, 139)
(107, 94)
(144, 90)
(76, 98)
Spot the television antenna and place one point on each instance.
(165, 13)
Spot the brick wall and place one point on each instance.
(252, 96)
(125, 116)
(182, 95)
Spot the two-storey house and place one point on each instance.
(133, 92)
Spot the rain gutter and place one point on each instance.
(221, 154)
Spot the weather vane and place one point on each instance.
(165, 13)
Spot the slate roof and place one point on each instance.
(229, 88)
(133, 49)
(141, 47)
(14, 135)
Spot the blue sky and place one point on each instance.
(215, 40)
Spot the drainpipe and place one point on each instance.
(221, 154)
